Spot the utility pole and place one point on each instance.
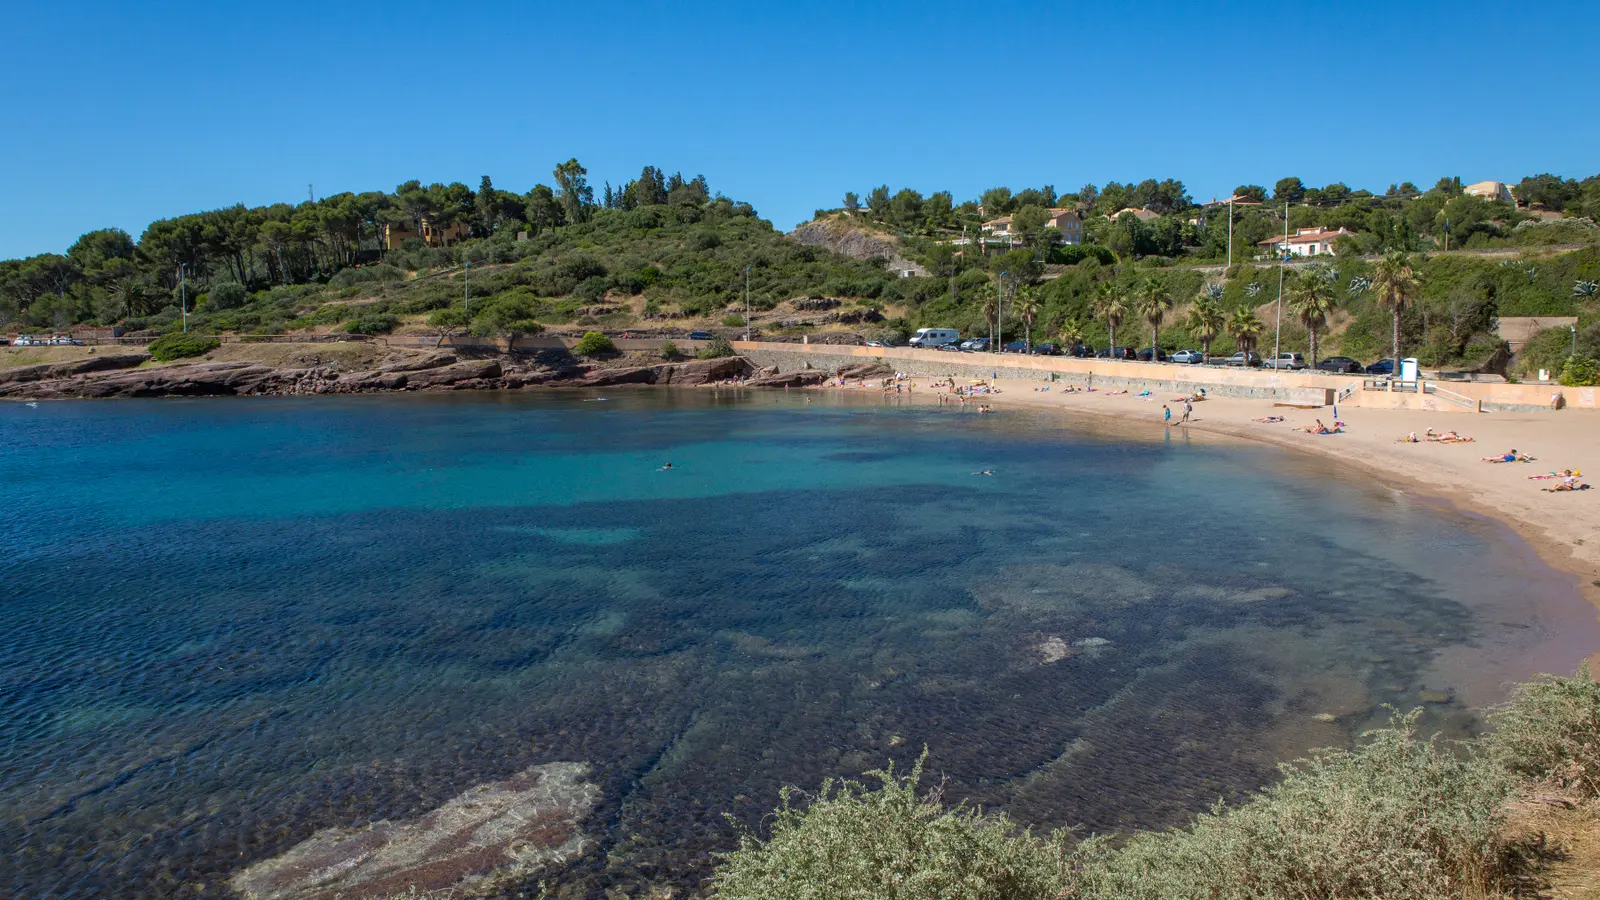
(1283, 259)
(747, 303)
(1230, 236)
(310, 194)
(466, 289)
(183, 293)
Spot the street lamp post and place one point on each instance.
(1283, 259)
(1574, 340)
(183, 294)
(466, 289)
(747, 303)
(999, 313)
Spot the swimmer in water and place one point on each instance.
(665, 467)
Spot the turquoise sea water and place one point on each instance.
(227, 624)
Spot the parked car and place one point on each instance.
(65, 340)
(949, 348)
(1015, 347)
(877, 344)
(1343, 365)
(1383, 366)
(1243, 359)
(1187, 357)
(1082, 351)
(24, 340)
(1117, 353)
(1145, 354)
(1285, 360)
(1046, 350)
(975, 345)
(701, 336)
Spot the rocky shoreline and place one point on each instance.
(126, 376)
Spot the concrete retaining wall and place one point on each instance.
(1285, 387)
(1304, 388)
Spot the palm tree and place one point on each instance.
(1311, 302)
(1206, 319)
(990, 299)
(1026, 307)
(1071, 333)
(1108, 305)
(1154, 302)
(1245, 328)
(1395, 282)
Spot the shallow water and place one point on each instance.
(227, 624)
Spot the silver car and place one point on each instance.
(1188, 357)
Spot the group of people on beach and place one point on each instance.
(1565, 480)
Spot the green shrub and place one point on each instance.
(1549, 731)
(594, 343)
(227, 295)
(717, 348)
(1580, 371)
(182, 346)
(851, 842)
(669, 350)
(372, 323)
(1397, 817)
(733, 320)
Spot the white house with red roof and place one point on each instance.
(1307, 241)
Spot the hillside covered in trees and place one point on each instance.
(665, 251)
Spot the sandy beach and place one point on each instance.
(1563, 527)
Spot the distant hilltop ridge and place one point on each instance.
(667, 249)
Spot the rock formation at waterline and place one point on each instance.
(490, 837)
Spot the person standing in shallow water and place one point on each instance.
(1166, 414)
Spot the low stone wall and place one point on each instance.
(1301, 388)
(970, 367)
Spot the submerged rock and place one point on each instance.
(1053, 649)
(486, 838)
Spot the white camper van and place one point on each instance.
(928, 338)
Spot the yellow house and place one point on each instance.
(1489, 190)
(434, 236)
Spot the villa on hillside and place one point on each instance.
(1490, 190)
(1307, 241)
(1236, 200)
(1144, 214)
(1069, 223)
(433, 235)
(1065, 221)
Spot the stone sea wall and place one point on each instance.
(970, 366)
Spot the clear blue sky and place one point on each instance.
(118, 113)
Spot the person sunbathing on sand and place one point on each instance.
(1564, 473)
(1511, 456)
(1319, 428)
(1270, 420)
(1569, 483)
(1408, 439)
